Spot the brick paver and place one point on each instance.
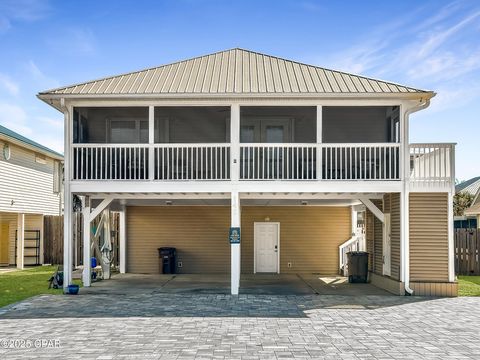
(205, 326)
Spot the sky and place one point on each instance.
(432, 45)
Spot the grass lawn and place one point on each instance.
(469, 286)
(22, 284)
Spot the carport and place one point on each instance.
(250, 284)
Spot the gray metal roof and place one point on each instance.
(235, 71)
(12, 135)
(470, 186)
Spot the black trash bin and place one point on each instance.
(167, 257)
(357, 262)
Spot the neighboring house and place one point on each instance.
(472, 187)
(30, 187)
(291, 154)
(474, 210)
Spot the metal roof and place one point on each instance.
(235, 71)
(470, 186)
(16, 137)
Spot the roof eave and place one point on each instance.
(23, 144)
(49, 97)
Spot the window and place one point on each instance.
(40, 159)
(127, 131)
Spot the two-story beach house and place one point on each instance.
(30, 188)
(295, 157)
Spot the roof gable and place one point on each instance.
(20, 139)
(235, 71)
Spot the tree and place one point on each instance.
(461, 201)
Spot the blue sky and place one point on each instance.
(431, 45)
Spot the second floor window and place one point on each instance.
(124, 131)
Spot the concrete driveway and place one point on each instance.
(258, 284)
(215, 326)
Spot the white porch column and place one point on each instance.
(20, 240)
(235, 248)
(151, 141)
(235, 142)
(68, 201)
(123, 239)
(319, 141)
(87, 252)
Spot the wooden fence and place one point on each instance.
(53, 239)
(467, 251)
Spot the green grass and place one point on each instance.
(21, 284)
(469, 286)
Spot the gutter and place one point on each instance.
(406, 243)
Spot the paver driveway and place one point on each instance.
(248, 326)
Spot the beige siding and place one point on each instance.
(395, 235)
(374, 234)
(32, 222)
(428, 237)
(200, 234)
(27, 183)
(309, 237)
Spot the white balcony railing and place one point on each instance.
(278, 161)
(192, 161)
(430, 164)
(360, 161)
(110, 162)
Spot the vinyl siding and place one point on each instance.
(395, 235)
(309, 237)
(429, 237)
(27, 183)
(32, 222)
(374, 235)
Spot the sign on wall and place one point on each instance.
(234, 235)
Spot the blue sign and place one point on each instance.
(234, 235)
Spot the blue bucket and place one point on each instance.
(73, 289)
(93, 262)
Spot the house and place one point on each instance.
(289, 156)
(30, 188)
(474, 210)
(470, 219)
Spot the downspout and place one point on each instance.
(406, 188)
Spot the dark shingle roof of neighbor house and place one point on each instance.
(236, 72)
(7, 133)
(470, 186)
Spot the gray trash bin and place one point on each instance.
(357, 266)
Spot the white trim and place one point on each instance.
(218, 186)
(387, 265)
(68, 201)
(86, 234)
(151, 141)
(235, 255)
(255, 244)
(451, 240)
(20, 241)
(234, 142)
(123, 239)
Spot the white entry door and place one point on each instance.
(267, 247)
(387, 246)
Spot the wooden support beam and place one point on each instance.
(373, 208)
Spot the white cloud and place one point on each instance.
(41, 78)
(8, 84)
(22, 10)
(15, 118)
(54, 123)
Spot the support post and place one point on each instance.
(87, 255)
(151, 142)
(68, 201)
(235, 142)
(122, 219)
(235, 248)
(20, 241)
(319, 142)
